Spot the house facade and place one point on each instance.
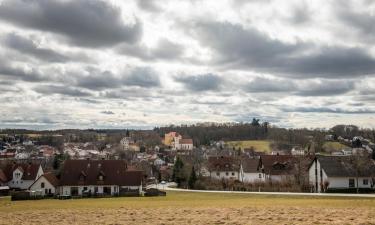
(224, 167)
(45, 185)
(99, 177)
(251, 170)
(22, 176)
(339, 173)
(278, 168)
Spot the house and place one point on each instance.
(169, 138)
(45, 185)
(224, 167)
(21, 176)
(337, 173)
(251, 170)
(184, 144)
(99, 177)
(278, 167)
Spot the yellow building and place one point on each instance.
(169, 138)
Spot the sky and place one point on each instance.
(145, 63)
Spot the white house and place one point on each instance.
(45, 185)
(99, 177)
(279, 167)
(21, 176)
(251, 170)
(339, 173)
(224, 167)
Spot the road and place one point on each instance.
(169, 187)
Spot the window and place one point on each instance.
(351, 183)
(365, 181)
(260, 175)
(42, 185)
(226, 173)
(218, 174)
(232, 174)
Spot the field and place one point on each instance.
(333, 146)
(192, 208)
(261, 146)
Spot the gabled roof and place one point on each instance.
(344, 166)
(250, 165)
(29, 170)
(223, 163)
(50, 177)
(278, 164)
(116, 173)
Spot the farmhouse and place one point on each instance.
(45, 185)
(99, 177)
(223, 167)
(278, 167)
(338, 173)
(251, 170)
(21, 176)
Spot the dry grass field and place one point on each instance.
(191, 208)
(262, 145)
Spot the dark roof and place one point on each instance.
(278, 164)
(51, 178)
(223, 163)
(3, 177)
(250, 165)
(344, 166)
(29, 170)
(87, 172)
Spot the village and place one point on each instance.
(131, 163)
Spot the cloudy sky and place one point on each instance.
(144, 63)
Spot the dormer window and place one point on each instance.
(100, 177)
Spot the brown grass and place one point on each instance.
(191, 208)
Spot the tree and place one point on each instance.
(255, 122)
(178, 175)
(192, 178)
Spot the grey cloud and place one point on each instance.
(237, 47)
(31, 75)
(107, 112)
(269, 85)
(362, 23)
(148, 5)
(328, 110)
(63, 90)
(140, 76)
(83, 22)
(26, 46)
(165, 49)
(325, 87)
(203, 82)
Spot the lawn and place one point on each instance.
(333, 146)
(261, 146)
(192, 208)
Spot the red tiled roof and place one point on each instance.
(186, 141)
(86, 172)
(223, 163)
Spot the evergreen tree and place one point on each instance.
(178, 173)
(192, 178)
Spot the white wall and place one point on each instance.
(252, 177)
(218, 175)
(66, 190)
(37, 186)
